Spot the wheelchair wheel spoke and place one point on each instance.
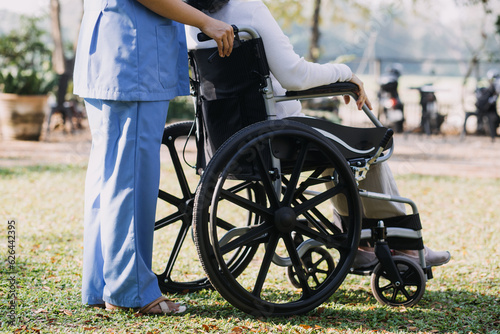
(170, 219)
(317, 200)
(241, 186)
(313, 179)
(184, 185)
(181, 176)
(222, 223)
(265, 264)
(337, 241)
(394, 296)
(321, 271)
(387, 287)
(316, 264)
(405, 292)
(320, 222)
(266, 180)
(294, 177)
(254, 236)
(297, 264)
(170, 199)
(245, 203)
(410, 278)
(309, 232)
(177, 248)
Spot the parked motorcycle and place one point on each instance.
(431, 119)
(390, 106)
(486, 105)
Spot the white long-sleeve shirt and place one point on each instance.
(289, 71)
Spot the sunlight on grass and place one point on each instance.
(461, 215)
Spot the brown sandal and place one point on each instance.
(162, 302)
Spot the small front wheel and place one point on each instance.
(408, 292)
(318, 263)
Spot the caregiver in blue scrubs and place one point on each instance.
(131, 60)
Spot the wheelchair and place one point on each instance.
(262, 213)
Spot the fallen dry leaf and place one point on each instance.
(67, 312)
(40, 310)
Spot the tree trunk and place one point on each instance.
(314, 50)
(62, 65)
(58, 61)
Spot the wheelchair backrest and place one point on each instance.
(230, 96)
(228, 92)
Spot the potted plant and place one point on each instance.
(26, 78)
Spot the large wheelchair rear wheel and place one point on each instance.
(175, 259)
(298, 191)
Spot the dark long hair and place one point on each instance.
(210, 6)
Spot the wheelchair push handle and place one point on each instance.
(202, 37)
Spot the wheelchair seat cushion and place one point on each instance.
(352, 142)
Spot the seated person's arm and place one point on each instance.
(292, 71)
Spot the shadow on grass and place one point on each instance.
(438, 312)
(449, 311)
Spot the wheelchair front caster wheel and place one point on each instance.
(408, 292)
(318, 264)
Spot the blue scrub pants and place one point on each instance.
(121, 192)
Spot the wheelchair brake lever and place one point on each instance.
(388, 135)
(212, 56)
(383, 143)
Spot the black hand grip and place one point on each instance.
(202, 37)
(387, 137)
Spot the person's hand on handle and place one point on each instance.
(362, 97)
(223, 35)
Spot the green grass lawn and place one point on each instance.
(459, 215)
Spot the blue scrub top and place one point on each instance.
(126, 52)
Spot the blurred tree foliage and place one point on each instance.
(312, 12)
(180, 108)
(25, 60)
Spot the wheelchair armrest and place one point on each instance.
(337, 88)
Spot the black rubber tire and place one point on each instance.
(406, 293)
(247, 289)
(172, 231)
(181, 270)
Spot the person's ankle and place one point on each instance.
(409, 252)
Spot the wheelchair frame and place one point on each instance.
(206, 222)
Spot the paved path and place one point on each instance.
(414, 153)
(446, 155)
